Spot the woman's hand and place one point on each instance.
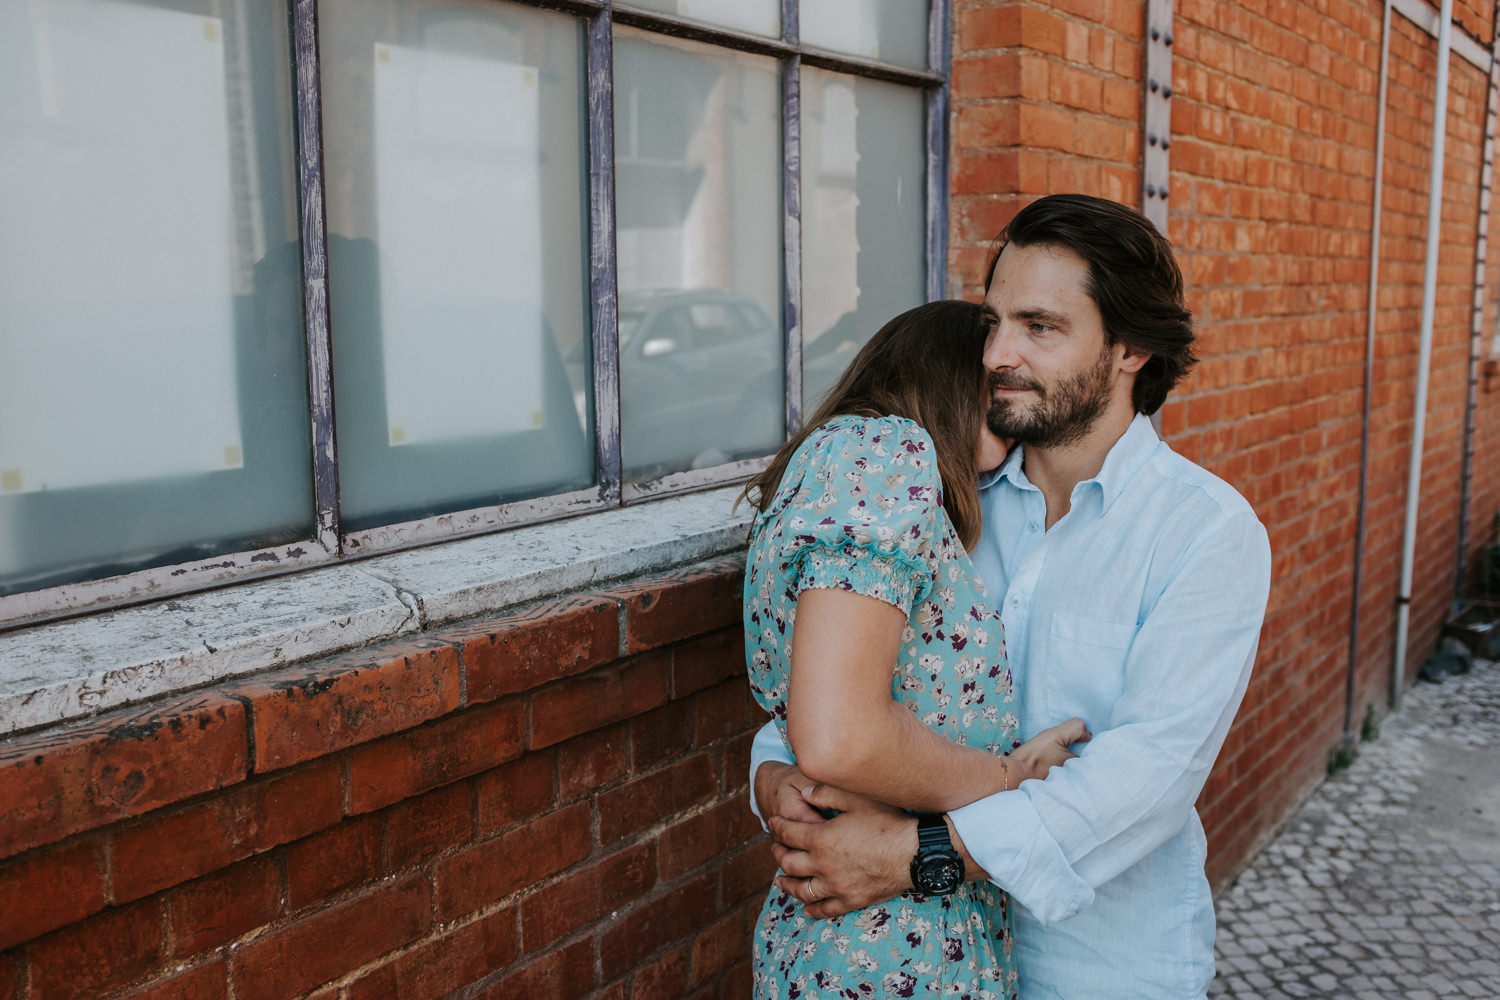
(1046, 750)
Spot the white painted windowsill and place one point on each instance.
(72, 669)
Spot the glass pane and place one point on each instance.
(698, 201)
(454, 150)
(889, 30)
(863, 217)
(760, 17)
(153, 382)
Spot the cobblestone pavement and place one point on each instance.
(1387, 883)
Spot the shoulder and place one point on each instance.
(887, 450)
(1192, 483)
(1192, 509)
(883, 436)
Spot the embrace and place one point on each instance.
(1002, 630)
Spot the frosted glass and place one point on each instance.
(152, 364)
(457, 261)
(698, 202)
(889, 30)
(863, 217)
(760, 17)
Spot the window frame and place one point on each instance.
(328, 543)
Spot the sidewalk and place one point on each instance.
(1387, 883)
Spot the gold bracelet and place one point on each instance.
(1005, 761)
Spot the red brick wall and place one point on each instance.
(547, 804)
(1273, 165)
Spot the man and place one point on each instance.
(1132, 585)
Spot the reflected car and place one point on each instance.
(700, 380)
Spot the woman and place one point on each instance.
(865, 621)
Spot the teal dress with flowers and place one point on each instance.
(860, 509)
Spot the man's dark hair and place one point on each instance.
(1133, 279)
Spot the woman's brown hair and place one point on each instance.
(925, 365)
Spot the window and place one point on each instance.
(284, 284)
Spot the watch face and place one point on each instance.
(938, 876)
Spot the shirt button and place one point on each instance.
(1015, 602)
(1032, 526)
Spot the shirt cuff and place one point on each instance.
(766, 746)
(1006, 836)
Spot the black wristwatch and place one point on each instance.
(937, 869)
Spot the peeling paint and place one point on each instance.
(134, 731)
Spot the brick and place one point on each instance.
(687, 844)
(10, 976)
(517, 791)
(222, 906)
(591, 761)
(544, 643)
(586, 896)
(737, 982)
(655, 797)
(719, 946)
(704, 662)
(669, 608)
(662, 734)
(488, 872)
(65, 781)
(664, 976)
(420, 827)
(736, 775)
(325, 945)
(301, 714)
(92, 957)
(166, 850)
(988, 28)
(650, 926)
(561, 975)
(748, 874)
(595, 700)
(335, 859)
(50, 888)
(443, 965)
(206, 982)
(723, 711)
(399, 767)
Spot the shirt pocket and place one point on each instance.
(1085, 667)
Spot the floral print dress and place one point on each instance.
(860, 509)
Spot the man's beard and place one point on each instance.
(1061, 414)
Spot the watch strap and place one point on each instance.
(932, 831)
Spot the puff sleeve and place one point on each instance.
(863, 511)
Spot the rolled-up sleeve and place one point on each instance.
(767, 746)
(1132, 788)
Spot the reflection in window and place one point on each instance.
(761, 17)
(890, 30)
(456, 255)
(698, 202)
(153, 401)
(863, 217)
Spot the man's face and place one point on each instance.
(1052, 370)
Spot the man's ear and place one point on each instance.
(1130, 361)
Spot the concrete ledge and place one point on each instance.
(73, 669)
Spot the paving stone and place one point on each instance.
(1387, 882)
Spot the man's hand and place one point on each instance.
(778, 792)
(861, 856)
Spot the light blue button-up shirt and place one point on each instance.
(1138, 611)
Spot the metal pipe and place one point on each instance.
(1481, 258)
(1364, 430)
(1424, 352)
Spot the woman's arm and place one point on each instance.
(848, 732)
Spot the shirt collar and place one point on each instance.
(1125, 458)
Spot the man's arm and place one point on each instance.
(1132, 788)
